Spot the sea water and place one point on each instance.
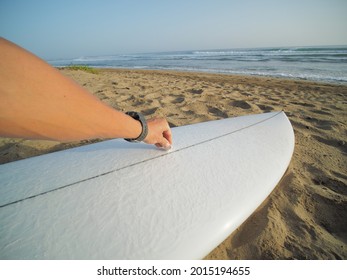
(324, 64)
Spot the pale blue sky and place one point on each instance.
(67, 28)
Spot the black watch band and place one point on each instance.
(139, 117)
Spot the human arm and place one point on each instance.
(38, 102)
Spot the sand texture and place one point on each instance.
(305, 217)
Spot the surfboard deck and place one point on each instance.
(120, 200)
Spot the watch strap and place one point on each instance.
(139, 117)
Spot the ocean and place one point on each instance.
(323, 64)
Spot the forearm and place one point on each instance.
(39, 102)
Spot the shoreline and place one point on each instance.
(305, 216)
(324, 82)
(221, 74)
(316, 63)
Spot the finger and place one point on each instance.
(168, 135)
(166, 148)
(164, 144)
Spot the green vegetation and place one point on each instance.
(84, 68)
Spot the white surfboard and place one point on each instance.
(120, 200)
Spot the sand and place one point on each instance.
(305, 217)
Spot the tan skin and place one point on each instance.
(38, 102)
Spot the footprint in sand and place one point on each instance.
(319, 177)
(196, 91)
(265, 108)
(339, 144)
(321, 112)
(321, 124)
(149, 111)
(179, 99)
(216, 112)
(303, 104)
(330, 214)
(241, 104)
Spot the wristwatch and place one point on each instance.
(139, 117)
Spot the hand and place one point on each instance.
(159, 133)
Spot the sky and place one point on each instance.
(55, 29)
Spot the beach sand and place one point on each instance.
(305, 217)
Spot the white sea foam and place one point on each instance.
(314, 63)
